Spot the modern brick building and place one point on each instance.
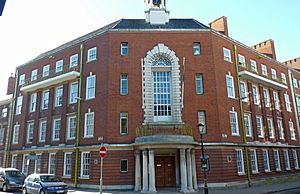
(141, 87)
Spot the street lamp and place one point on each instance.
(204, 159)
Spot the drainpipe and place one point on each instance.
(10, 128)
(242, 116)
(78, 117)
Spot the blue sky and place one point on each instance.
(31, 27)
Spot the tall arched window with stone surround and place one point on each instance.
(161, 86)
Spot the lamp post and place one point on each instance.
(204, 159)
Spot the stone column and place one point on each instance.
(183, 171)
(137, 171)
(194, 170)
(145, 171)
(152, 188)
(189, 170)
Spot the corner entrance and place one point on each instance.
(165, 171)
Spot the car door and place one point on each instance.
(36, 186)
(29, 184)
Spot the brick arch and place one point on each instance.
(152, 55)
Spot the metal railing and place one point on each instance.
(52, 73)
(169, 129)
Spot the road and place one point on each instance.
(295, 191)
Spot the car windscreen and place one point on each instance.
(49, 178)
(13, 173)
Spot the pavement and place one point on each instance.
(269, 186)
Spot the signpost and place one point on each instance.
(102, 153)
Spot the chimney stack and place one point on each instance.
(267, 47)
(293, 63)
(220, 25)
(11, 85)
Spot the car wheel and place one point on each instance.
(42, 192)
(24, 191)
(4, 188)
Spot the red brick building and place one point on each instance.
(141, 87)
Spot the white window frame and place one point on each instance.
(267, 100)
(242, 60)
(90, 87)
(248, 126)
(69, 154)
(229, 77)
(295, 158)
(244, 91)
(240, 161)
(280, 129)
(25, 163)
(38, 162)
(59, 92)
(45, 99)
(29, 132)
(46, 70)
(19, 105)
(16, 132)
(82, 166)
(227, 54)
(255, 94)
(42, 131)
(92, 54)
(124, 84)
(4, 112)
(292, 130)
(287, 102)
(72, 97)
(236, 123)
(276, 100)
(295, 82)
(34, 75)
(273, 73)
(277, 160)
(14, 161)
(124, 47)
(283, 78)
(86, 132)
(197, 48)
(32, 105)
(69, 137)
(253, 161)
(1, 136)
(253, 65)
(260, 126)
(264, 70)
(199, 83)
(266, 161)
(73, 60)
(50, 165)
(286, 157)
(55, 129)
(270, 124)
(22, 80)
(123, 115)
(59, 66)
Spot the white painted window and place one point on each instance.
(199, 83)
(14, 160)
(227, 54)
(271, 127)
(34, 75)
(90, 87)
(32, 105)
(4, 112)
(267, 97)
(197, 48)
(67, 164)
(298, 103)
(38, 164)
(295, 158)
(89, 124)
(21, 79)
(253, 160)
(264, 70)
(295, 82)
(92, 54)
(19, 105)
(248, 126)
(253, 65)
(292, 130)
(244, 92)
(124, 84)
(42, 130)
(59, 66)
(273, 74)
(73, 60)
(1, 136)
(25, 165)
(266, 160)
(15, 139)
(283, 78)
(58, 96)
(202, 119)
(56, 129)
(124, 48)
(30, 128)
(73, 96)
(234, 123)
(123, 123)
(260, 127)
(276, 100)
(45, 100)
(280, 128)
(242, 60)
(255, 93)
(71, 127)
(287, 102)
(286, 159)
(52, 163)
(240, 162)
(277, 160)
(46, 70)
(85, 164)
(230, 86)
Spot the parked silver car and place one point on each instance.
(11, 178)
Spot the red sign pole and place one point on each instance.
(102, 153)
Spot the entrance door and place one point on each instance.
(165, 171)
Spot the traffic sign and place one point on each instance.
(102, 152)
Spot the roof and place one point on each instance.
(125, 24)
